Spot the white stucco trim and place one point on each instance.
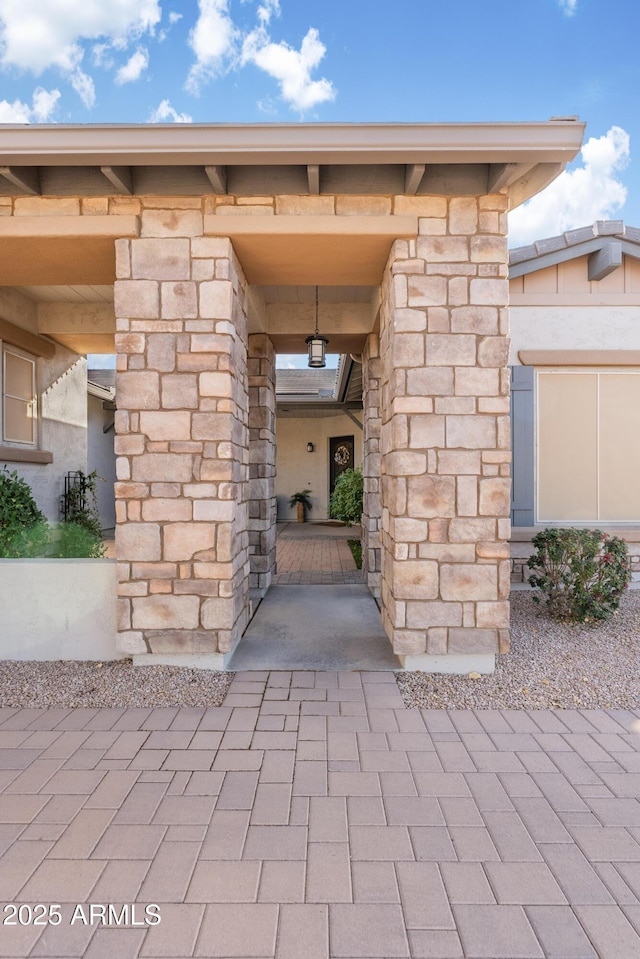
(188, 660)
(452, 665)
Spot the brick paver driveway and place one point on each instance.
(313, 816)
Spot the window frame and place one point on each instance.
(33, 444)
(598, 371)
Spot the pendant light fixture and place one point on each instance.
(316, 345)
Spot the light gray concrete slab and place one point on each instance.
(315, 627)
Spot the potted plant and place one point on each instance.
(302, 501)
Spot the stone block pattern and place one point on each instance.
(445, 441)
(372, 510)
(181, 439)
(262, 462)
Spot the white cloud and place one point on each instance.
(84, 86)
(101, 53)
(578, 197)
(44, 103)
(568, 6)
(16, 112)
(173, 19)
(212, 40)
(218, 45)
(37, 34)
(165, 113)
(268, 9)
(134, 67)
(291, 68)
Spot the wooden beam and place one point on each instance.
(119, 177)
(501, 175)
(313, 177)
(605, 261)
(26, 178)
(217, 176)
(535, 180)
(413, 177)
(24, 340)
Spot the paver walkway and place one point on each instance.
(313, 816)
(315, 555)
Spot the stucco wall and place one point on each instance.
(296, 469)
(575, 327)
(58, 609)
(62, 411)
(101, 457)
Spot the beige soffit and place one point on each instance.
(322, 250)
(58, 250)
(579, 357)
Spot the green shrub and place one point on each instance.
(25, 533)
(79, 502)
(581, 574)
(356, 551)
(74, 541)
(23, 530)
(346, 500)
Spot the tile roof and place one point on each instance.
(306, 382)
(572, 238)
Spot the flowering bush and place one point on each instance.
(581, 573)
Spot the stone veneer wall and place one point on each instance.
(445, 433)
(262, 461)
(182, 439)
(372, 509)
(182, 538)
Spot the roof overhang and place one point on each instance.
(518, 157)
(279, 143)
(348, 246)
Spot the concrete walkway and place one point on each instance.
(313, 816)
(315, 627)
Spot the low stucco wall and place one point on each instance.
(58, 609)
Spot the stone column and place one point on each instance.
(445, 438)
(372, 510)
(182, 443)
(262, 462)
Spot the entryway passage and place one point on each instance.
(315, 553)
(319, 614)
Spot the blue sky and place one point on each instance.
(138, 61)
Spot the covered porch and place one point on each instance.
(201, 234)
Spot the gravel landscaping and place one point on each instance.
(117, 683)
(551, 666)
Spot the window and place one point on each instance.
(588, 446)
(19, 406)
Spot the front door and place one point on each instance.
(340, 458)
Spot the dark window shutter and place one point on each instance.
(522, 446)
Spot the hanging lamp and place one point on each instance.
(316, 345)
